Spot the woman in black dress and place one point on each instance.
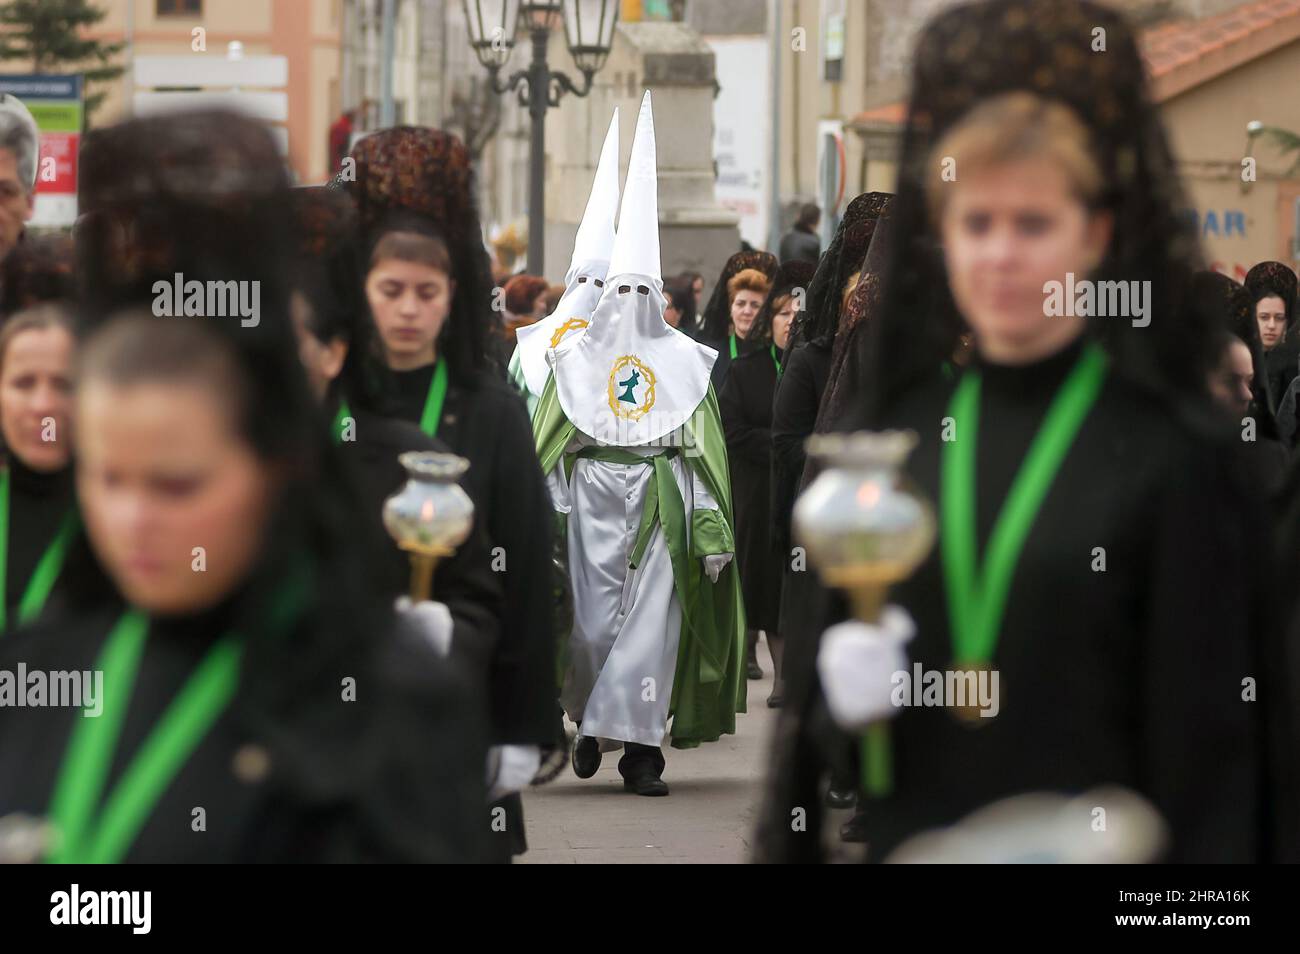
(38, 516)
(1124, 620)
(426, 279)
(345, 370)
(814, 352)
(746, 406)
(807, 372)
(260, 704)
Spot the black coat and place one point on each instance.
(464, 581)
(1130, 676)
(488, 425)
(398, 777)
(718, 376)
(794, 413)
(800, 245)
(746, 406)
(1281, 364)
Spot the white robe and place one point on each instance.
(627, 623)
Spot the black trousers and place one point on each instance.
(639, 760)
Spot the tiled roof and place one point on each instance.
(1185, 53)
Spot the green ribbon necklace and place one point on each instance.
(977, 594)
(47, 568)
(433, 402)
(86, 838)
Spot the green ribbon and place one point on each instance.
(734, 350)
(47, 568)
(433, 401)
(336, 429)
(776, 361)
(85, 839)
(977, 595)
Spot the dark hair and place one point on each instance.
(314, 546)
(1273, 280)
(809, 216)
(681, 290)
(1224, 304)
(795, 274)
(38, 269)
(463, 340)
(427, 250)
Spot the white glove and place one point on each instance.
(433, 620)
(510, 768)
(715, 563)
(857, 662)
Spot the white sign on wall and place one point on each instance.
(742, 130)
(212, 81)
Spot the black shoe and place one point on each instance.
(647, 784)
(841, 797)
(752, 668)
(775, 700)
(855, 829)
(586, 756)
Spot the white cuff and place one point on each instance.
(511, 768)
(857, 663)
(715, 563)
(432, 619)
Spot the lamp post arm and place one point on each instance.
(561, 84)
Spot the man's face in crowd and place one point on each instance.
(16, 203)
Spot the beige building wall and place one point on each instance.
(1240, 223)
(307, 32)
(877, 41)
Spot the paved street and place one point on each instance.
(708, 818)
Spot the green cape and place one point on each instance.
(709, 685)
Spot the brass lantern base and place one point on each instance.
(424, 560)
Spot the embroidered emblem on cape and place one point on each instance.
(573, 324)
(631, 388)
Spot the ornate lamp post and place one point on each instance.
(589, 33)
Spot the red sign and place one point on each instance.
(60, 175)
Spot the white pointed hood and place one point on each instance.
(587, 269)
(632, 378)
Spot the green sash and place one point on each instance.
(86, 838)
(47, 568)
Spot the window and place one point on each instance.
(179, 8)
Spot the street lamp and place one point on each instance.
(589, 33)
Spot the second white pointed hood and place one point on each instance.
(592, 248)
(632, 378)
